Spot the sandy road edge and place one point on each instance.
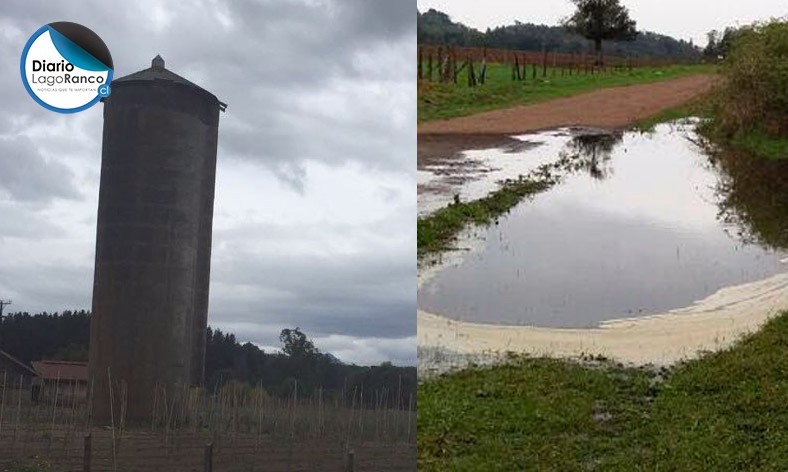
(713, 323)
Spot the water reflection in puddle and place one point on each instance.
(474, 173)
(642, 228)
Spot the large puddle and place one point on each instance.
(472, 174)
(647, 223)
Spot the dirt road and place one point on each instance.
(608, 108)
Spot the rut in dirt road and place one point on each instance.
(614, 107)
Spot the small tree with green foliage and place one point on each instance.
(600, 20)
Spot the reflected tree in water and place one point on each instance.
(753, 197)
(592, 153)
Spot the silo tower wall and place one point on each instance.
(153, 244)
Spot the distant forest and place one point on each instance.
(66, 336)
(435, 27)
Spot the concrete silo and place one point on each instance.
(153, 241)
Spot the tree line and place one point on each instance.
(435, 27)
(300, 365)
(719, 42)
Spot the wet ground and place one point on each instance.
(445, 170)
(648, 223)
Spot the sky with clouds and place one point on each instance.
(682, 19)
(314, 220)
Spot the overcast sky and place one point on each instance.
(682, 19)
(314, 222)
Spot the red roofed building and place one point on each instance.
(14, 374)
(68, 380)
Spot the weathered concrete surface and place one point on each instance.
(153, 242)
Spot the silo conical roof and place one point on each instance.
(157, 72)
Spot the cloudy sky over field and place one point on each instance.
(682, 19)
(314, 223)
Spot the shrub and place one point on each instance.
(754, 95)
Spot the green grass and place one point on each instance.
(723, 412)
(439, 101)
(753, 141)
(761, 144)
(35, 464)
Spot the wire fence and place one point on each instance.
(235, 429)
(446, 63)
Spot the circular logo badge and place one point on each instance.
(66, 67)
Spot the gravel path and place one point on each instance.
(614, 107)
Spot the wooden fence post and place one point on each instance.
(440, 64)
(454, 70)
(471, 74)
(88, 453)
(349, 466)
(421, 54)
(544, 62)
(208, 465)
(483, 66)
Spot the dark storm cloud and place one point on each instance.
(330, 82)
(259, 56)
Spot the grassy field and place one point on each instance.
(725, 411)
(438, 101)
